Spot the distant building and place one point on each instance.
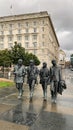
(62, 57)
(34, 31)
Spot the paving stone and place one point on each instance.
(4, 108)
(4, 125)
(53, 121)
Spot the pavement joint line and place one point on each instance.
(8, 96)
(9, 104)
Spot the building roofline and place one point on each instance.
(18, 15)
(43, 13)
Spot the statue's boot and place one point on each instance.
(45, 96)
(55, 98)
(31, 95)
(20, 94)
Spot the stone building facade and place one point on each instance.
(34, 31)
(62, 58)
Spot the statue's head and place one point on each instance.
(31, 62)
(44, 64)
(20, 61)
(54, 62)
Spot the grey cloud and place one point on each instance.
(66, 42)
(60, 11)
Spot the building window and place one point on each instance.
(2, 39)
(26, 37)
(35, 44)
(10, 32)
(19, 43)
(43, 29)
(10, 45)
(2, 26)
(34, 37)
(43, 22)
(27, 30)
(34, 23)
(42, 43)
(27, 24)
(42, 35)
(10, 25)
(1, 46)
(9, 39)
(42, 50)
(2, 32)
(19, 38)
(35, 30)
(26, 44)
(19, 25)
(50, 38)
(19, 31)
(34, 52)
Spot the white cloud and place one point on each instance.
(63, 34)
(60, 11)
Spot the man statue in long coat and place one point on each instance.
(19, 74)
(44, 79)
(55, 78)
(32, 73)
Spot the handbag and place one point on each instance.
(61, 86)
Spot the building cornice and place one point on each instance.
(27, 16)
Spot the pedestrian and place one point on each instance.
(32, 73)
(44, 79)
(55, 78)
(19, 74)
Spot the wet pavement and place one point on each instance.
(37, 115)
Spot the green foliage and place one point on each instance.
(5, 58)
(28, 57)
(8, 57)
(17, 52)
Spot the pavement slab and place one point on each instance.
(4, 125)
(53, 121)
(4, 108)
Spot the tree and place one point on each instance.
(5, 58)
(18, 52)
(28, 57)
(8, 57)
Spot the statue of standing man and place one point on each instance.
(44, 79)
(32, 73)
(55, 78)
(19, 74)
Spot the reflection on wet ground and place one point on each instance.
(38, 114)
(53, 121)
(24, 113)
(16, 115)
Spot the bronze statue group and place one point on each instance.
(52, 77)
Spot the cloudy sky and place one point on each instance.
(61, 12)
